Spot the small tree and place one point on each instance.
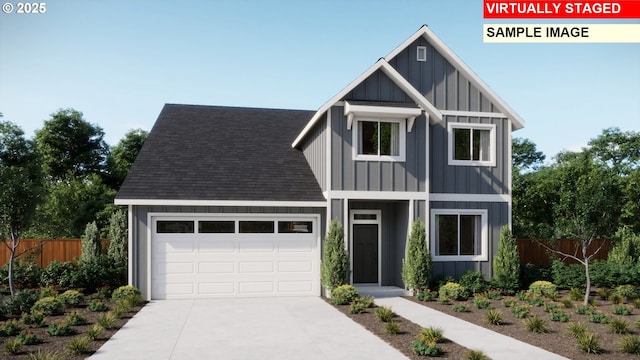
(117, 250)
(506, 263)
(416, 268)
(335, 262)
(90, 242)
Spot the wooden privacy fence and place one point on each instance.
(45, 251)
(531, 251)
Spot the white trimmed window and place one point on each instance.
(472, 144)
(459, 235)
(379, 139)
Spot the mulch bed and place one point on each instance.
(558, 339)
(402, 341)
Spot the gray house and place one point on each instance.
(229, 202)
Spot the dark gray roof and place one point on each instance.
(222, 153)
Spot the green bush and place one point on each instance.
(59, 273)
(543, 288)
(619, 326)
(78, 346)
(576, 294)
(71, 298)
(45, 355)
(630, 344)
(589, 343)
(34, 319)
(535, 300)
(392, 327)
(384, 313)
(473, 281)
(334, 268)
(75, 318)
(475, 355)
(549, 307)
(520, 311)
(597, 317)
(48, 291)
(124, 292)
(531, 272)
(343, 294)
(567, 303)
(536, 324)
(628, 291)
(481, 302)
(452, 291)
(49, 306)
(582, 309)
(460, 308)
(94, 332)
(98, 306)
(577, 329)
(509, 302)
(26, 273)
(432, 334)
(424, 348)
(493, 317)
(506, 263)
(98, 272)
(367, 301)
(60, 328)
(622, 310)
(610, 274)
(493, 294)
(27, 337)
(626, 248)
(22, 301)
(9, 328)
(559, 315)
(12, 347)
(427, 295)
(616, 298)
(568, 276)
(603, 293)
(107, 320)
(416, 268)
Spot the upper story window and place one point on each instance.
(379, 139)
(472, 144)
(459, 235)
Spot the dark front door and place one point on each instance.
(365, 253)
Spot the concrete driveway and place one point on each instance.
(256, 328)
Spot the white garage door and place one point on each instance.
(211, 257)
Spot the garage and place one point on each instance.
(243, 256)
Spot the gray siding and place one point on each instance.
(468, 179)
(378, 87)
(498, 215)
(314, 150)
(347, 174)
(141, 229)
(439, 81)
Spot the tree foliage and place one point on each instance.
(416, 268)
(125, 152)
(91, 245)
(506, 263)
(117, 250)
(335, 261)
(20, 190)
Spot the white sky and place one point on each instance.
(119, 61)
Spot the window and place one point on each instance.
(216, 227)
(175, 227)
(459, 234)
(472, 144)
(292, 227)
(379, 140)
(256, 227)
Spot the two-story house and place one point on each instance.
(227, 202)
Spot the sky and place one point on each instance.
(120, 61)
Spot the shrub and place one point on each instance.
(124, 292)
(44, 355)
(536, 324)
(97, 272)
(597, 317)
(549, 307)
(603, 293)
(94, 332)
(567, 276)
(334, 268)
(622, 310)
(522, 295)
(520, 311)
(90, 242)
(117, 235)
(636, 303)
(343, 294)
(26, 337)
(75, 318)
(559, 315)
(34, 319)
(384, 313)
(582, 309)
(443, 301)
(97, 306)
(431, 334)
(630, 344)
(493, 295)
(367, 301)
(12, 347)
(22, 301)
(616, 298)
(493, 317)
(576, 294)
(26, 272)
(535, 300)
(481, 302)
(9, 328)
(506, 263)
(460, 308)
(627, 291)
(60, 273)
(475, 355)
(589, 343)
(543, 288)
(427, 295)
(71, 298)
(619, 326)
(392, 327)
(107, 320)
(626, 248)
(356, 307)
(577, 329)
(48, 291)
(452, 291)
(60, 328)
(508, 303)
(473, 281)
(49, 306)
(78, 346)
(424, 348)
(531, 272)
(123, 307)
(416, 268)
(567, 303)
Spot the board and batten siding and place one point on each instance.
(350, 175)
(378, 87)
(439, 81)
(498, 215)
(314, 150)
(140, 228)
(475, 179)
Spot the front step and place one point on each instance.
(381, 291)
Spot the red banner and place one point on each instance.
(561, 9)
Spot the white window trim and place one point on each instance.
(484, 235)
(356, 140)
(492, 144)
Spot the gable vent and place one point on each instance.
(421, 53)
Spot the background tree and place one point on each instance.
(71, 146)
(525, 155)
(20, 188)
(506, 263)
(91, 245)
(124, 153)
(117, 250)
(335, 261)
(416, 268)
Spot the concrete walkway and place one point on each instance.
(257, 328)
(494, 345)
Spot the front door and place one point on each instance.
(365, 235)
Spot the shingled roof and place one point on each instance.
(222, 153)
